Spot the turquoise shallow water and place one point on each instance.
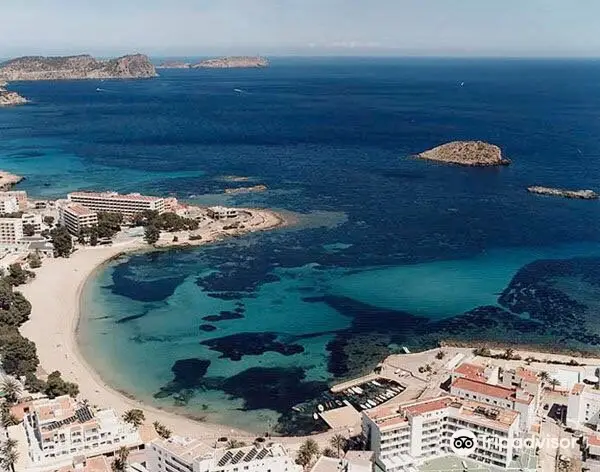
(388, 250)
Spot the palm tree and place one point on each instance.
(308, 450)
(134, 417)
(12, 389)
(120, 463)
(338, 442)
(509, 353)
(554, 382)
(544, 376)
(10, 456)
(234, 444)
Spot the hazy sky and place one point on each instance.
(310, 27)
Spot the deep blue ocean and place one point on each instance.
(387, 251)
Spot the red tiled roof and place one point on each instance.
(483, 388)
(79, 210)
(471, 371)
(594, 440)
(527, 375)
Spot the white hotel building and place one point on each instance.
(76, 217)
(405, 436)
(61, 429)
(8, 204)
(583, 407)
(11, 230)
(128, 205)
(179, 454)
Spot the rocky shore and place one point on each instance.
(7, 180)
(77, 67)
(466, 153)
(560, 192)
(8, 98)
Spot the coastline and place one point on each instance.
(55, 296)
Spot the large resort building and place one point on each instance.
(179, 454)
(58, 430)
(128, 205)
(404, 437)
(11, 231)
(76, 217)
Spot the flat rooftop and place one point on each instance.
(116, 196)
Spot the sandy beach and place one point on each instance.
(55, 298)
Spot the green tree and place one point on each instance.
(94, 236)
(162, 430)
(328, 452)
(554, 383)
(120, 462)
(307, 452)
(19, 356)
(12, 389)
(28, 229)
(109, 224)
(49, 220)
(35, 261)
(544, 376)
(63, 243)
(9, 454)
(17, 275)
(234, 444)
(81, 236)
(56, 386)
(8, 419)
(151, 234)
(509, 354)
(338, 442)
(134, 417)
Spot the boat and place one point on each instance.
(315, 416)
(321, 408)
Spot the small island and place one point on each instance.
(561, 192)
(233, 62)
(8, 98)
(133, 66)
(466, 153)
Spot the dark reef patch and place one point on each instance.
(126, 284)
(207, 328)
(274, 388)
(223, 315)
(187, 374)
(236, 346)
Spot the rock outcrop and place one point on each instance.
(254, 188)
(467, 153)
(7, 180)
(8, 98)
(233, 62)
(77, 67)
(561, 192)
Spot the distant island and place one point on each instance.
(132, 66)
(254, 188)
(560, 192)
(8, 98)
(232, 62)
(467, 153)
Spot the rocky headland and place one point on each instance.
(466, 153)
(232, 62)
(8, 98)
(561, 192)
(132, 66)
(7, 180)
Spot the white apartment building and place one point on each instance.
(583, 407)
(128, 205)
(76, 217)
(522, 378)
(497, 396)
(11, 230)
(8, 204)
(34, 220)
(61, 429)
(221, 212)
(405, 436)
(331, 464)
(21, 197)
(179, 454)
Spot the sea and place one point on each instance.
(385, 251)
